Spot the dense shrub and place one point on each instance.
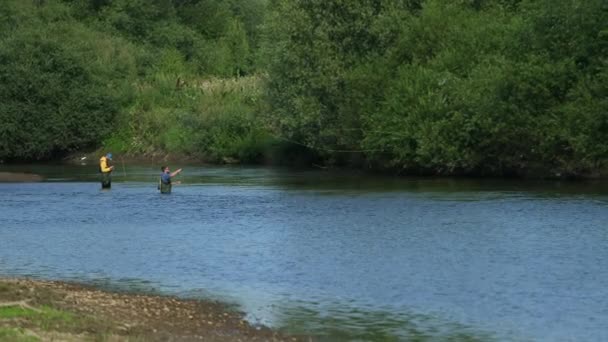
(77, 74)
(61, 85)
(490, 87)
(437, 86)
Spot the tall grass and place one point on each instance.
(213, 119)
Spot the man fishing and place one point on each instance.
(165, 184)
(106, 171)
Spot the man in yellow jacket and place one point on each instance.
(106, 171)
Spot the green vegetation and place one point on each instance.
(211, 119)
(484, 87)
(44, 314)
(43, 320)
(16, 335)
(131, 76)
(31, 314)
(44, 317)
(20, 321)
(445, 87)
(61, 83)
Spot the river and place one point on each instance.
(340, 256)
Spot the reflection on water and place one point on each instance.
(340, 256)
(353, 324)
(321, 181)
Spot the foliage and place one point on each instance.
(486, 87)
(58, 89)
(213, 119)
(452, 87)
(16, 335)
(75, 73)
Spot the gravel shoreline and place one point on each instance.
(89, 313)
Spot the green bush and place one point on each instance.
(488, 87)
(61, 86)
(442, 87)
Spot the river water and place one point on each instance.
(338, 256)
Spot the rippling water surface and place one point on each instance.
(339, 256)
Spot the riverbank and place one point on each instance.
(35, 310)
(20, 177)
(309, 163)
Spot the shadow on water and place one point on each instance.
(323, 182)
(340, 323)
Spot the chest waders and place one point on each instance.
(106, 180)
(165, 188)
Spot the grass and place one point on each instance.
(29, 314)
(43, 318)
(46, 321)
(44, 313)
(208, 119)
(16, 335)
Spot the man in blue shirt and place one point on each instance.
(165, 179)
